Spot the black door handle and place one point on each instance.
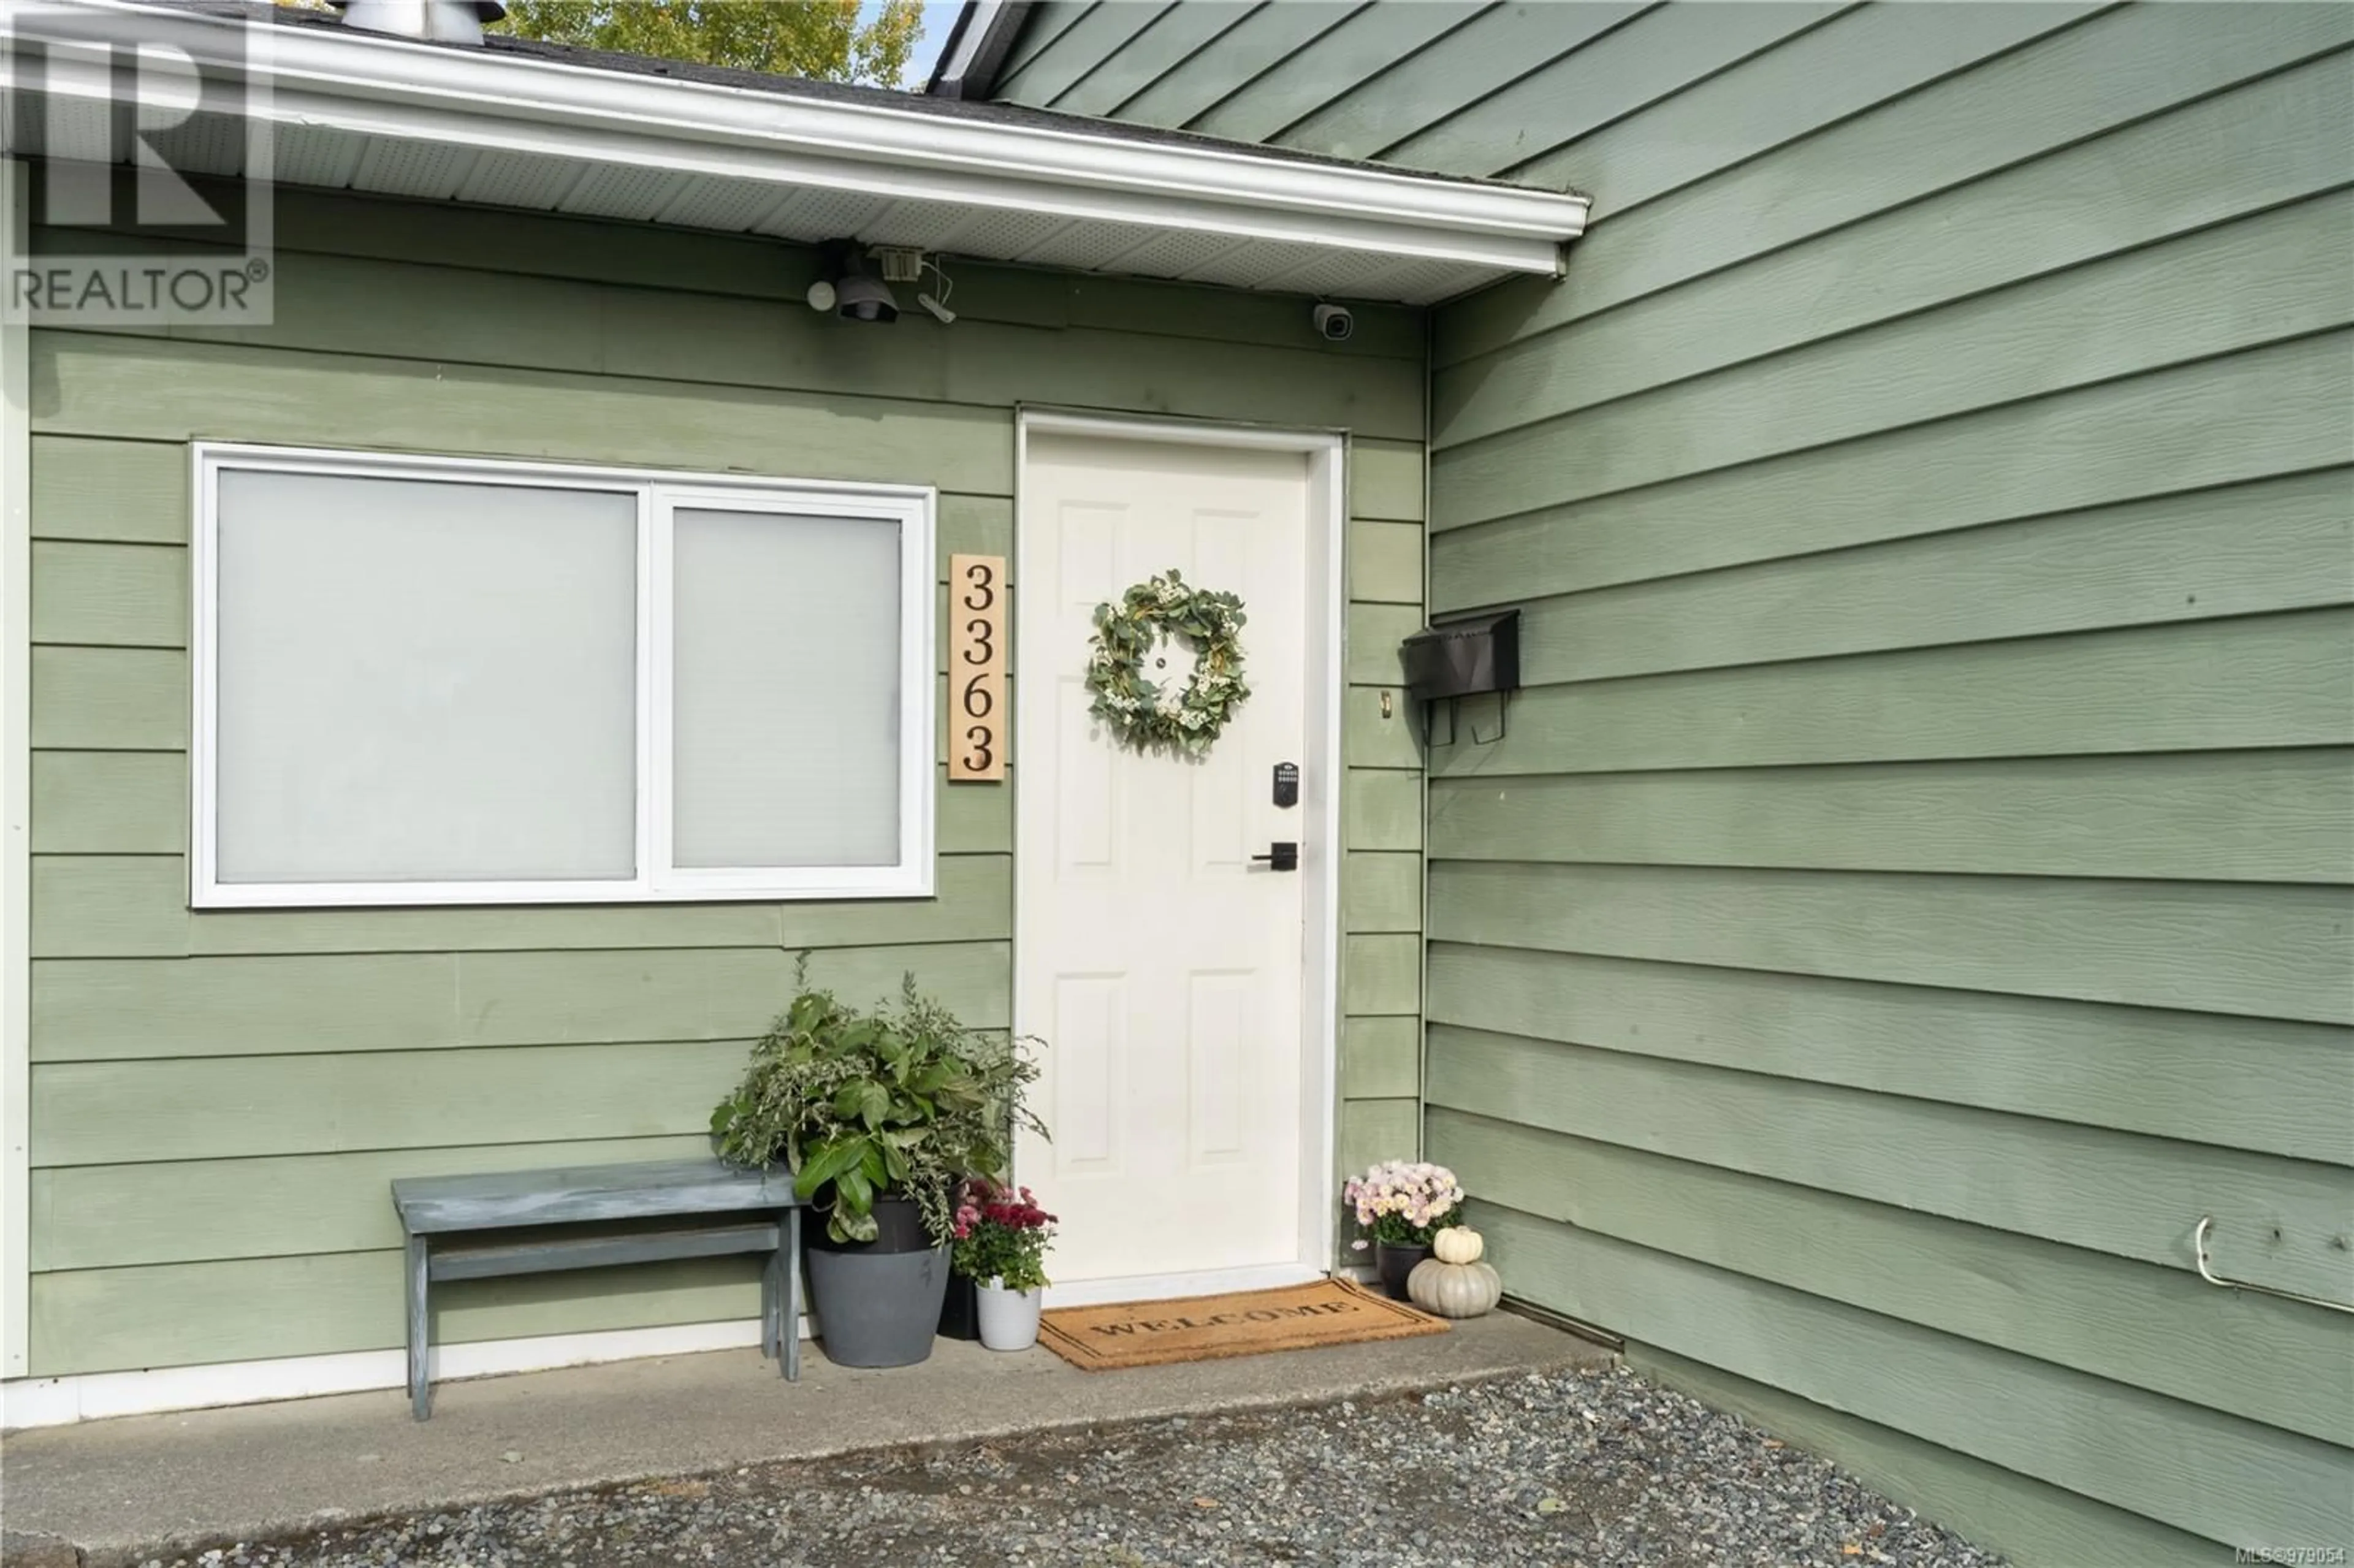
(1281, 855)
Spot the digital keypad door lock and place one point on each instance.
(1287, 783)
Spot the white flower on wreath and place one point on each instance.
(1189, 703)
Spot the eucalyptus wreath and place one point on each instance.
(1129, 644)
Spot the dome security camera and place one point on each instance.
(1334, 323)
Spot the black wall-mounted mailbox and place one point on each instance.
(1464, 656)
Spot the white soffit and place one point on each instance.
(367, 113)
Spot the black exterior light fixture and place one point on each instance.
(846, 287)
(1464, 656)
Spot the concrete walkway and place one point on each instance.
(137, 1487)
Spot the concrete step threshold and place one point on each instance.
(116, 1493)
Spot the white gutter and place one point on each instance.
(376, 86)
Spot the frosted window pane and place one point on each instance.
(421, 681)
(786, 680)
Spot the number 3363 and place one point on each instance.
(976, 668)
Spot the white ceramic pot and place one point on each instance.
(1008, 1319)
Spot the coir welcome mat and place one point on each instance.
(1206, 1328)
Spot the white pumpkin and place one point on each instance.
(1457, 1244)
(1454, 1290)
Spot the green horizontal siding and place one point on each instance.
(1076, 48)
(1913, 888)
(2136, 186)
(2024, 1518)
(1384, 893)
(2240, 1083)
(2116, 1193)
(168, 1209)
(150, 389)
(2251, 682)
(1804, 83)
(2267, 545)
(2072, 1306)
(1186, 83)
(89, 1010)
(2087, 80)
(1383, 810)
(712, 340)
(112, 803)
(1618, 71)
(1385, 562)
(1377, 729)
(2164, 1458)
(185, 1314)
(1368, 41)
(1381, 975)
(2262, 950)
(1048, 21)
(385, 1100)
(220, 1098)
(1369, 116)
(1381, 1058)
(1914, 891)
(1117, 76)
(2259, 281)
(2244, 816)
(1386, 481)
(1375, 1130)
(2247, 417)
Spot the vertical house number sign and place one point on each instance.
(976, 669)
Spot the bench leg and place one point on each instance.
(789, 1326)
(769, 1305)
(420, 1393)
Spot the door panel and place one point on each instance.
(1160, 964)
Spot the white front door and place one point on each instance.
(1163, 965)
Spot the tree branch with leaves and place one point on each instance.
(826, 40)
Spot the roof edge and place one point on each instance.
(335, 79)
(978, 42)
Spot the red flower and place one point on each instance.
(981, 1201)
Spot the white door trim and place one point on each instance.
(1320, 801)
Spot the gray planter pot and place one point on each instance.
(1394, 1263)
(878, 1302)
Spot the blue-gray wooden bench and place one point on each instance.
(448, 1220)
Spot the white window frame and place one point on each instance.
(659, 493)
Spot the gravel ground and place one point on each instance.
(1597, 1468)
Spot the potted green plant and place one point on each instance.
(1403, 1203)
(879, 1115)
(1001, 1240)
